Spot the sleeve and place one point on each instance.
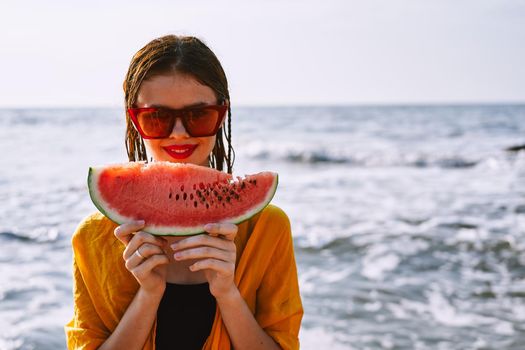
(86, 330)
(279, 306)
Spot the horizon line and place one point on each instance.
(299, 105)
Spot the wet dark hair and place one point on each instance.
(178, 54)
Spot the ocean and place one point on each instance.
(408, 221)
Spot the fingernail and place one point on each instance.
(208, 227)
(174, 245)
(141, 222)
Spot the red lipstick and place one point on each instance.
(180, 151)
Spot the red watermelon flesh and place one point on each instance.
(176, 198)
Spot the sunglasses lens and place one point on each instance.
(159, 122)
(202, 121)
(155, 123)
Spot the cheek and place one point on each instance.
(152, 146)
(208, 143)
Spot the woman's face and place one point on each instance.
(177, 91)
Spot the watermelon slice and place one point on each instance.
(177, 199)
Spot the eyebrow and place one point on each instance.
(197, 104)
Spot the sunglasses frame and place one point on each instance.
(178, 113)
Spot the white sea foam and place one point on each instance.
(319, 338)
(443, 312)
(335, 276)
(378, 261)
(10, 344)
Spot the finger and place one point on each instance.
(133, 261)
(125, 231)
(139, 239)
(222, 267)
(226, 230)
(203, 240)
(142, 270)
(149, 249)
(205, 253)
(146, 250)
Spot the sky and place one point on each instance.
(59, 53)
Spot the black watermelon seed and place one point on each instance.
(195, 204)
(243, 185)
(191, 196)
(207, 206)
(255, 182)
(184, 196)
(219, 198)
(236, 196)
(170, 194)
(177, 197)
(215, 193)
(182, 187)
(228, 199)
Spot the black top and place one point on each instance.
(185, 316)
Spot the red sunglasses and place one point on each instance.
(158, 122)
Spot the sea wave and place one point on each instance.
(417, 160)
(40, 235)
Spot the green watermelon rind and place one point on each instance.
(96, 198)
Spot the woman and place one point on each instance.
(235, 286)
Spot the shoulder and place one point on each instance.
(275, 218)
(93, 228)
(95, 246)
(269, 229)
(275, 212)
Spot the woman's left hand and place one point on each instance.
(215, 254)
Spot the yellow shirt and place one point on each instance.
(265, 274)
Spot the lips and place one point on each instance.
(180, 151)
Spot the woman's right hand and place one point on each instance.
(144, 256)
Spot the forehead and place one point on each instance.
(174, 91)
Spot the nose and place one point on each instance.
(178, 130)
